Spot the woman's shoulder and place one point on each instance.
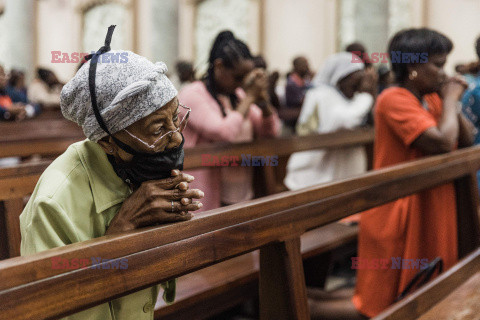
(393, 92)
(393, 95)
(55, 180)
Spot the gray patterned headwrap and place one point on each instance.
(127, 90)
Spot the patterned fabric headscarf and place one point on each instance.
(128, 88)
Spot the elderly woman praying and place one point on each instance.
(126, 175)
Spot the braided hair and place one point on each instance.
(230, 50)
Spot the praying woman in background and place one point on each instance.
(230, 104)
(341, 98)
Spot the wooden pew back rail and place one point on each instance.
(29, 288)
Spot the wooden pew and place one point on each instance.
(453, 295)
(188, 290)
(210, 291)
(48, 135)
(15, 183)
(18, 182)
(30, 288)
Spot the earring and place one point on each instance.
(413, 75)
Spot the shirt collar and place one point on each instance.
(108, 189)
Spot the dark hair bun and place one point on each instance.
(225, 35)
(221, 38)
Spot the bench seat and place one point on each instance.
(212, 290)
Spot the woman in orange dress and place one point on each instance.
(417, 118)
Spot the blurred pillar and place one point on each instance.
(17, 36)
(164, 32)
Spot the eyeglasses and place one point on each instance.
(180, 128)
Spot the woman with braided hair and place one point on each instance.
(229, 104)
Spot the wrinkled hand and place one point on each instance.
(454, 87)
(151, 203)
(255, 84)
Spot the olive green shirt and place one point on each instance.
(74, 200)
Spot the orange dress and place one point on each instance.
(421, 226)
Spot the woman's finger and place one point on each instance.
(185, 201)
(171, 182)
(164, 217)
(177, 194)
(182, 186)
(184, 216)
(195, 205)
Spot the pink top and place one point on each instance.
(206, 124)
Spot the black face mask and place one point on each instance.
(148, 166)
(144, 166)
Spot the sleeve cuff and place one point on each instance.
(418, 133)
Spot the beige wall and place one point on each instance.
(288, 28)
(309, 27)
(459, 20)
(298, 27)
(58, 29)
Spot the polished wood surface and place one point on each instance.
(283, 293)
(463, 303)
(15, 184)
(48, 134)
(217, 288)
(19, 181)
(30, 288)
(467, 195)
(421, 301)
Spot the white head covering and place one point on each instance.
(335, 68)
(128, 88)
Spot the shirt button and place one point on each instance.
(148, 307)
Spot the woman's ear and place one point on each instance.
(411, 67)
(218, 64)
(107, 145)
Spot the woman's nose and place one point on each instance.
(175, 140)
